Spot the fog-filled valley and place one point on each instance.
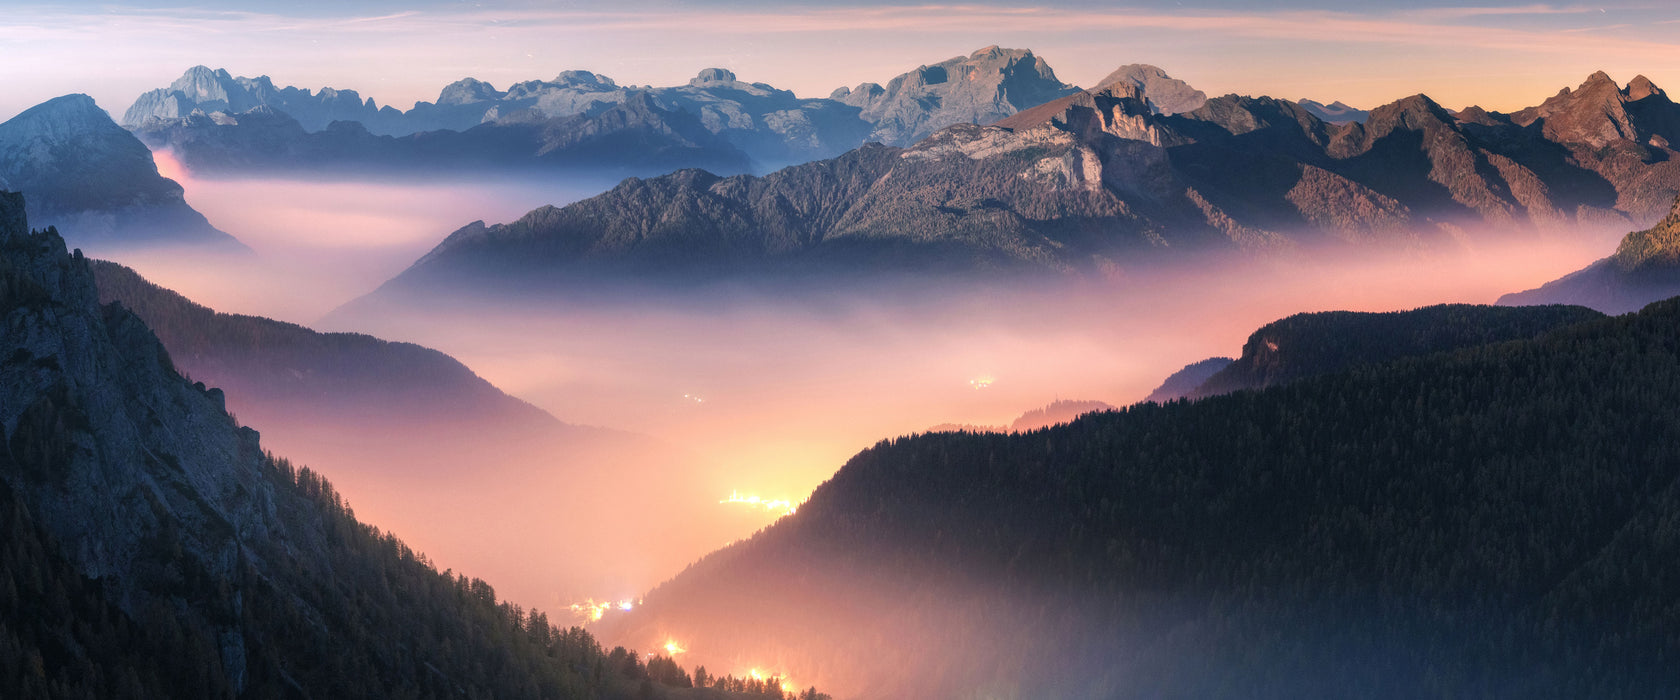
(756, 391)
(969, 383)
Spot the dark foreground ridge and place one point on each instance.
(1494, 521)
(154, 550)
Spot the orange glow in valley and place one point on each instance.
(779, 505)
(787, 685)
(591, 611)
(673, 647)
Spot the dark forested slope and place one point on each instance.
(152, 549)
(1310, 344)
(1496, 521)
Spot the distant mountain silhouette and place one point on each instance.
(1645, 268)
(207, 90)
(1183, 383)
(1335, 112)
(635, 136)
(1058, 412)
(95, 182)
(218, 123)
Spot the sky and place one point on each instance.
(1503, 56)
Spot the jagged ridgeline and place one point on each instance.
(1095, 182)
(152, 549)
(1492, 520)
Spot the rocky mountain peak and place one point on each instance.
(1598, 79)
(584, 79)
(468, 91)
(1593, 114)
(70, 118)
(986, 85)
(1166, 94)
(203, 83)
(1416, 112)
(1640, 88)
(712, 75)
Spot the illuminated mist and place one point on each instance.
(733, 406)
(322, 242)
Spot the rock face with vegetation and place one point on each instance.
(1644, 268)
(1494, 520)
(94, 181)
(155, 550)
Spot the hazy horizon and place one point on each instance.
(1502, 56)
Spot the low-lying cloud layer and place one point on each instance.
(755, 395)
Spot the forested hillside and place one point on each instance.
(152, 549)
(1310, 344)
(1497, 521)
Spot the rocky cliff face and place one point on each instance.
(1166, 94)
(114, 451)
(1600, 112)
(980, 88)
(206, 90)
(94, 180)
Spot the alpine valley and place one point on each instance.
(971, 383)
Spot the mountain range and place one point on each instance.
(1097, 181)
(95, 181)
(1645, 268)
(217, 123)
(1448, 518)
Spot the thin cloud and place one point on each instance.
(1451, 13)
(407, 55)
